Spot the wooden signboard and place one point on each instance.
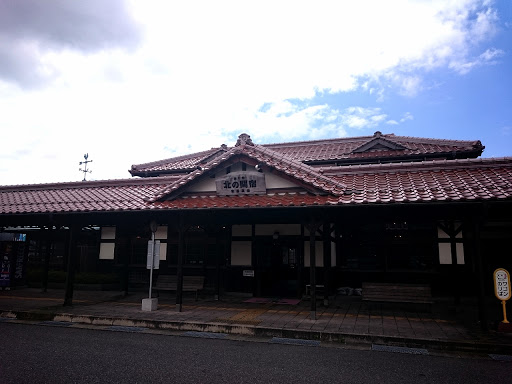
(241, 183)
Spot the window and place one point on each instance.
(289, 256)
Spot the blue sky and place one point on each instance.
(130, 82)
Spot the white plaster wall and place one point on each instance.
(161, 233)
(319, 254)
(107, 251)
(238, 168)
(306, 230)
(108, 233)
(205, 185)
(443, 235)
(445, 253)
(241, 253)
(163, 251)
(283, 229)
(241, 230)
(272, 181)
(460, 253)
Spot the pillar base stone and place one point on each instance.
(150, 304)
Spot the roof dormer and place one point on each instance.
(379, 143)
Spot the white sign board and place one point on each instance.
(241, 183)
(248, 273)
(156, 258)
(502, 284)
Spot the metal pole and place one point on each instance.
(152, 263)
(504, 304)
(70, 276)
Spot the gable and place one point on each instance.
(246, 157)
(379, 143)
(239, 178)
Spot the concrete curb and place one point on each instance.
(257, 331)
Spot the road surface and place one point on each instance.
(49, 354)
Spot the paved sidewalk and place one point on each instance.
(347, 319)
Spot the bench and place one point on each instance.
(319, 289)
(397, 293)
(170, 283)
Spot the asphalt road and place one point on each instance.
(47, 354)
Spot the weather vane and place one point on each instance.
(85, 171)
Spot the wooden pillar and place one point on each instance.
(327, 261)
(219, 233)
(47, 255)
(179, 272)
(256, 264)
(455, 268)
(204, 251)
(126, 260)
(72, 255)
(313, 227)
(482, 313)
(300, 263)
(338, 245)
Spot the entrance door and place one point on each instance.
(277, 260)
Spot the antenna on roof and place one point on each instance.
(85, 171)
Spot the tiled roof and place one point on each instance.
(346, 148)
(443, 180)
(447, 180)
(181, 163)
(302, 173)
(339, 150)
(92, 196)
(450, 180)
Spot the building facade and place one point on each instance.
(279, 219)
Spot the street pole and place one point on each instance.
(151, 304)
(152, 262)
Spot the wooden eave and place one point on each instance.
(469, 154)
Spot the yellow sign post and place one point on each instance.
(502, 289)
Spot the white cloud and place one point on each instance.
(411, 85)
(167, 78)
(486, 58)
(406, 116)
(359, 118)
(32, 29)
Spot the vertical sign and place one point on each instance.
(156, 260)
(502, 289)
(20, 262)
(5, 271)
(502, 284)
